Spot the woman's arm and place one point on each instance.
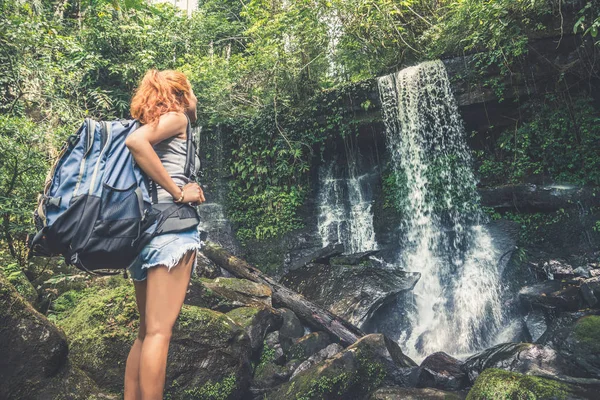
(140, 144)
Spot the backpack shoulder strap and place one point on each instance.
(190, 159)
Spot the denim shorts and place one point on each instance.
(166, 249)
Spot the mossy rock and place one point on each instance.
(497, 384)
(257, 322)
(400, 393)
(351, 374)
(17, 278)
(587, 333)
(34, 363)
(308, 345)
(101, 324)
(208, 350)
(240, 291)
(201, 296)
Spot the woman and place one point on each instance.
(162, 103)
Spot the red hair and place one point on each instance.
(158, 93)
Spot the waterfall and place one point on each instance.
(345, 208)
(457, 305)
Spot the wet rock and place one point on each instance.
(240, 291)
(536, 325)
(557, 270)
(352, 259)
(316, 358)
(441, 371)
(400, 393)
(208, 351)
(551, 295)
(525, 358)
(308, 345)
(353, 373)
(256, 322)
(291, 329)
(533, 198)
(354, 293)
(511, 385)
(577, 337)
(588, 294)
(319, 256)
(583, 272)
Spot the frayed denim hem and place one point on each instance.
(176, 258)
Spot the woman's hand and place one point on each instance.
(193, 193)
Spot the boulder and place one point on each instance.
(321, 256)
(34, 363)
(208, 351)
(352, 292)
(400, 393)
(353, 373)
(500, 384)
(308, 345)
(525, 358)
(441, 371)
(291, 329)
(257, 322)
(240, 291)
(319, 356)
(551, 295)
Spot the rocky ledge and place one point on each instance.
(248, 337)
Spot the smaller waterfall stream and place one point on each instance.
(345, 208)
(457, 300)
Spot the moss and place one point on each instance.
(351, 375)
(587, 332)
(221, 390)
(498, 384)
(239, 285)
(266, 358)
(98, 319)
(17, 278)
(213, 322)
(243, 316)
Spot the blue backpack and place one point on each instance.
(96, 207)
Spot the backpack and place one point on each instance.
(96, 209)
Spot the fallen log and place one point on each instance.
(313, 315)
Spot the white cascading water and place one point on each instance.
(345, 211)
(457, 300)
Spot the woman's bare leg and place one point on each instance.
(164, 297)
(132, 368)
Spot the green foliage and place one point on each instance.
(213, 390)
(558, 138)
(589, 21)
(534, 226)
(23, 164)
(496, 384)
(17, 278)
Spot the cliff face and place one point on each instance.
(489, 102)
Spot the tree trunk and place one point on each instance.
(312, 314)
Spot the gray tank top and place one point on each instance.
(172, 154)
